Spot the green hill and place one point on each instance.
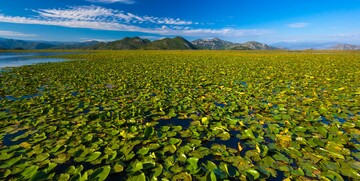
(253, 45)
(177, 43)
(22, 44)
(124, 44)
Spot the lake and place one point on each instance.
(15, 59)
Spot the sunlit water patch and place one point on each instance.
(16, 59)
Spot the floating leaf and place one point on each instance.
(252, 174)
(93, 156)
(30, 171)
(137, 177)
(143, 151)
(192, 163)
(41, 157)
(157, 170)
(64, 177)
(101, 173)
(40, 175)
(75, 177)
(118, 168)
(248, 134)
(211, 176)
(135, 166)
(148, 132)
(50, 167)
(11, 162)
(332, 175)
(182, 176)
(5, 156)
(174, 141)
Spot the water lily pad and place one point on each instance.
(143, 151)
(148, 132)
(332, 175)
(100, 173)
(211, 176)
(168, 114)
(135, 166)
(182, 176)
(29, 172)
(252, 174)
(93, 156)
(137, 177)
(10, 162)
(40, 175)
(192, 163)
(248, 134)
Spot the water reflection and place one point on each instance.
(15, 59)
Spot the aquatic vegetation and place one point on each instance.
(191, 115)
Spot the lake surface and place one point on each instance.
(15, 59)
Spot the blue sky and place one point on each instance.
(267, 21)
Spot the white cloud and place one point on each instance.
(94, 17)
(152, 37)
(79, 13)
(14, 34)
(73, 23)
(350, 37)
(298, 25)
(171, 21)
(99, 13)
(96, 39)
(112, 1)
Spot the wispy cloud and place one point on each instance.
(95, 17)
(96, 13)
(76, 13)
(14, 34)
(112, 1)
(152, 37)
(351, 37)
(96, 39)
(298, 25)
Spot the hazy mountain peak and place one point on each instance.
(344, 46)
(315, 45)
(212, 44)
(218, 44)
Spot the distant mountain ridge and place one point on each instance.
(218, 44)
(124, 44)
(315, 46)
(176, 43)
(12, 44)
(136, 43)
(22, 44)
(212, 44)
(344, 47)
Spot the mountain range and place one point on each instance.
(218, 44)
(176, 43)
(345, 47)
(11, 44)
(135, 43)
(315, 46)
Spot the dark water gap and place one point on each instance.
(8, 137)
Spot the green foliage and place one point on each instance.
(199, 115)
